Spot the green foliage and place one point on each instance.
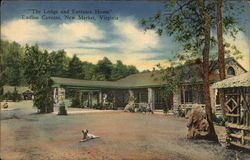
(8, 96)
(219, 120)
(15, 96)
(179, 112)
(165, 110)
(120, 70)
(104, 69)
(70, 94)
(75, 68)
(143, 108)
(37, 74)
(76, 103)
(183, 21)
(147, 70)
(11, 71)
(13, 65)
(176, 75)
(59, 63)
(62, 110)
(104, 107)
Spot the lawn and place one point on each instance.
(124, 136)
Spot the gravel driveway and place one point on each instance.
(124, 136)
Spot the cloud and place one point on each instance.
(133, 37)
(65, 34)
(124, 40)
(242, 44)
(24, 31)
(72, 33)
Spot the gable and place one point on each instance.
(234, 66)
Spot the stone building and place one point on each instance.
(145, 88)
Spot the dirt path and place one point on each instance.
(124, 136)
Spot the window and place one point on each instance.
(142, 97)
(159, 98)
(217, 98)
(230, 71)
(188, 95)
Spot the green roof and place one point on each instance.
(140, 80)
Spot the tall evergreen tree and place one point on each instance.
(104, 69)
(75, 68)
(60, 63)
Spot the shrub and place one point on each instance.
(219, 120)
(76, 101)
(15, 97)
(179, 112)
(62, 109)
(144, 107)
(8, 96)
(101, 107)
(165, 110)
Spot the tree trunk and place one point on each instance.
(207, 31)
(221, 52)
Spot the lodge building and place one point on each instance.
(145, 88)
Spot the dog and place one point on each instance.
(87, 136)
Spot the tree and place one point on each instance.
(88, 71)
(104, 69)
(233, 30)
(207, 31)
(60, 63)
(11, 61)
(191, 27)
(75, 68)
(120, 70)
(37, 74)
(132, 70)
(221, 52)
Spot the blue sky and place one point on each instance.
(119, 39)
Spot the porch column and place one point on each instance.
(54, 95)
(80, 98)
(151, 97)
(100, 99)
(213, 98)
(90, 94)
(130, 94)
(61, 94)
(177, 99)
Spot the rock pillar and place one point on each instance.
(151, 97)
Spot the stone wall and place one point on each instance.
(59, 94)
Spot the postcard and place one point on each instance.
(125, 80)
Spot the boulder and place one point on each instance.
(5, 105)
(130, 107)
(197, 124)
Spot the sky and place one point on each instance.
(99, 28)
